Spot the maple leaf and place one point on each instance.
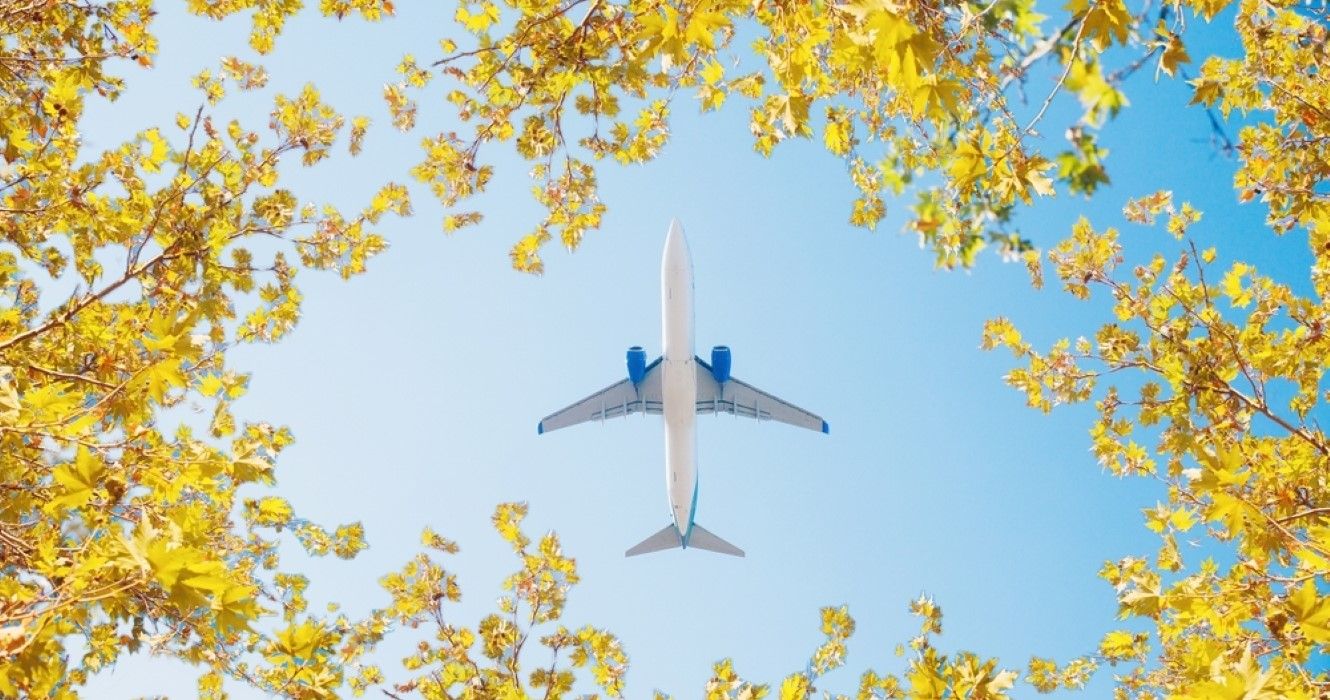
(702, 27)
(1104, 22)
(1173, 55)
(1312, 611)
(77, 481)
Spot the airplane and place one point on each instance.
(680, 385)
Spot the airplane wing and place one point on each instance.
(616, 400)
(743, 399)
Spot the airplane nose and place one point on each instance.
(676, 246)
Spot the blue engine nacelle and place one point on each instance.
(637, 364)
(720, 363)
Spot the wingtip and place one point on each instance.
(826, 428)
(540, 428)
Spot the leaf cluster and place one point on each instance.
(126, 276)
(1228, 369)
(921, 96)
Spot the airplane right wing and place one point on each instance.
(620, 399)
(743, 399)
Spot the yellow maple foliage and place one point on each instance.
(115, 532)
(119, 538)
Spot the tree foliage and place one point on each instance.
(929, 97)
(176, 246)
(127, 275)
(1229, 374)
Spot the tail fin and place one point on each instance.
(703, 538)
(698, 536)
(667, 538)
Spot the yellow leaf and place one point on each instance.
(18, 140)
(1175, 54)
(1232, 285)
(479, 22)
(296, 643)
(210, 385)
(50, 401)
(10, 406)
(161, 378)
(62, 97)
(77, 480)
(1182, 520)
(358, 127)
(838, 135)
(701, 27)
(795, 687)
(713, 72)
(270, 511)
(1119, 646)
(1105, 21)
(1312, 611)
(235, 608)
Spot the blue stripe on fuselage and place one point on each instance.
(691, 510)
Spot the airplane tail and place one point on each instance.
(698, 537)
(703, 538)
(667, 538)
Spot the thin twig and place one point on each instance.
(1304, 514)
(1075, 49)
(1041, 49)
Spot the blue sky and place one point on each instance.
(414, 391)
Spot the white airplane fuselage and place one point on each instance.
(679, 380)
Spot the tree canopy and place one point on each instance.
(128, 274)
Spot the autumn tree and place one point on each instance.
(488, 661)
(119, 537)
(116, 533)
(918, 97)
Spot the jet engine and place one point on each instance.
(637, 364)
(720, 363)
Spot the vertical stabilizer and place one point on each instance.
(702, 538)
(667, 538)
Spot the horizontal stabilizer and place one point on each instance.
(667, 538)
(702, 538)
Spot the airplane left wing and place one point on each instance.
(620, 399)
(742, 399)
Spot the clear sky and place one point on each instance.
(414, 391)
